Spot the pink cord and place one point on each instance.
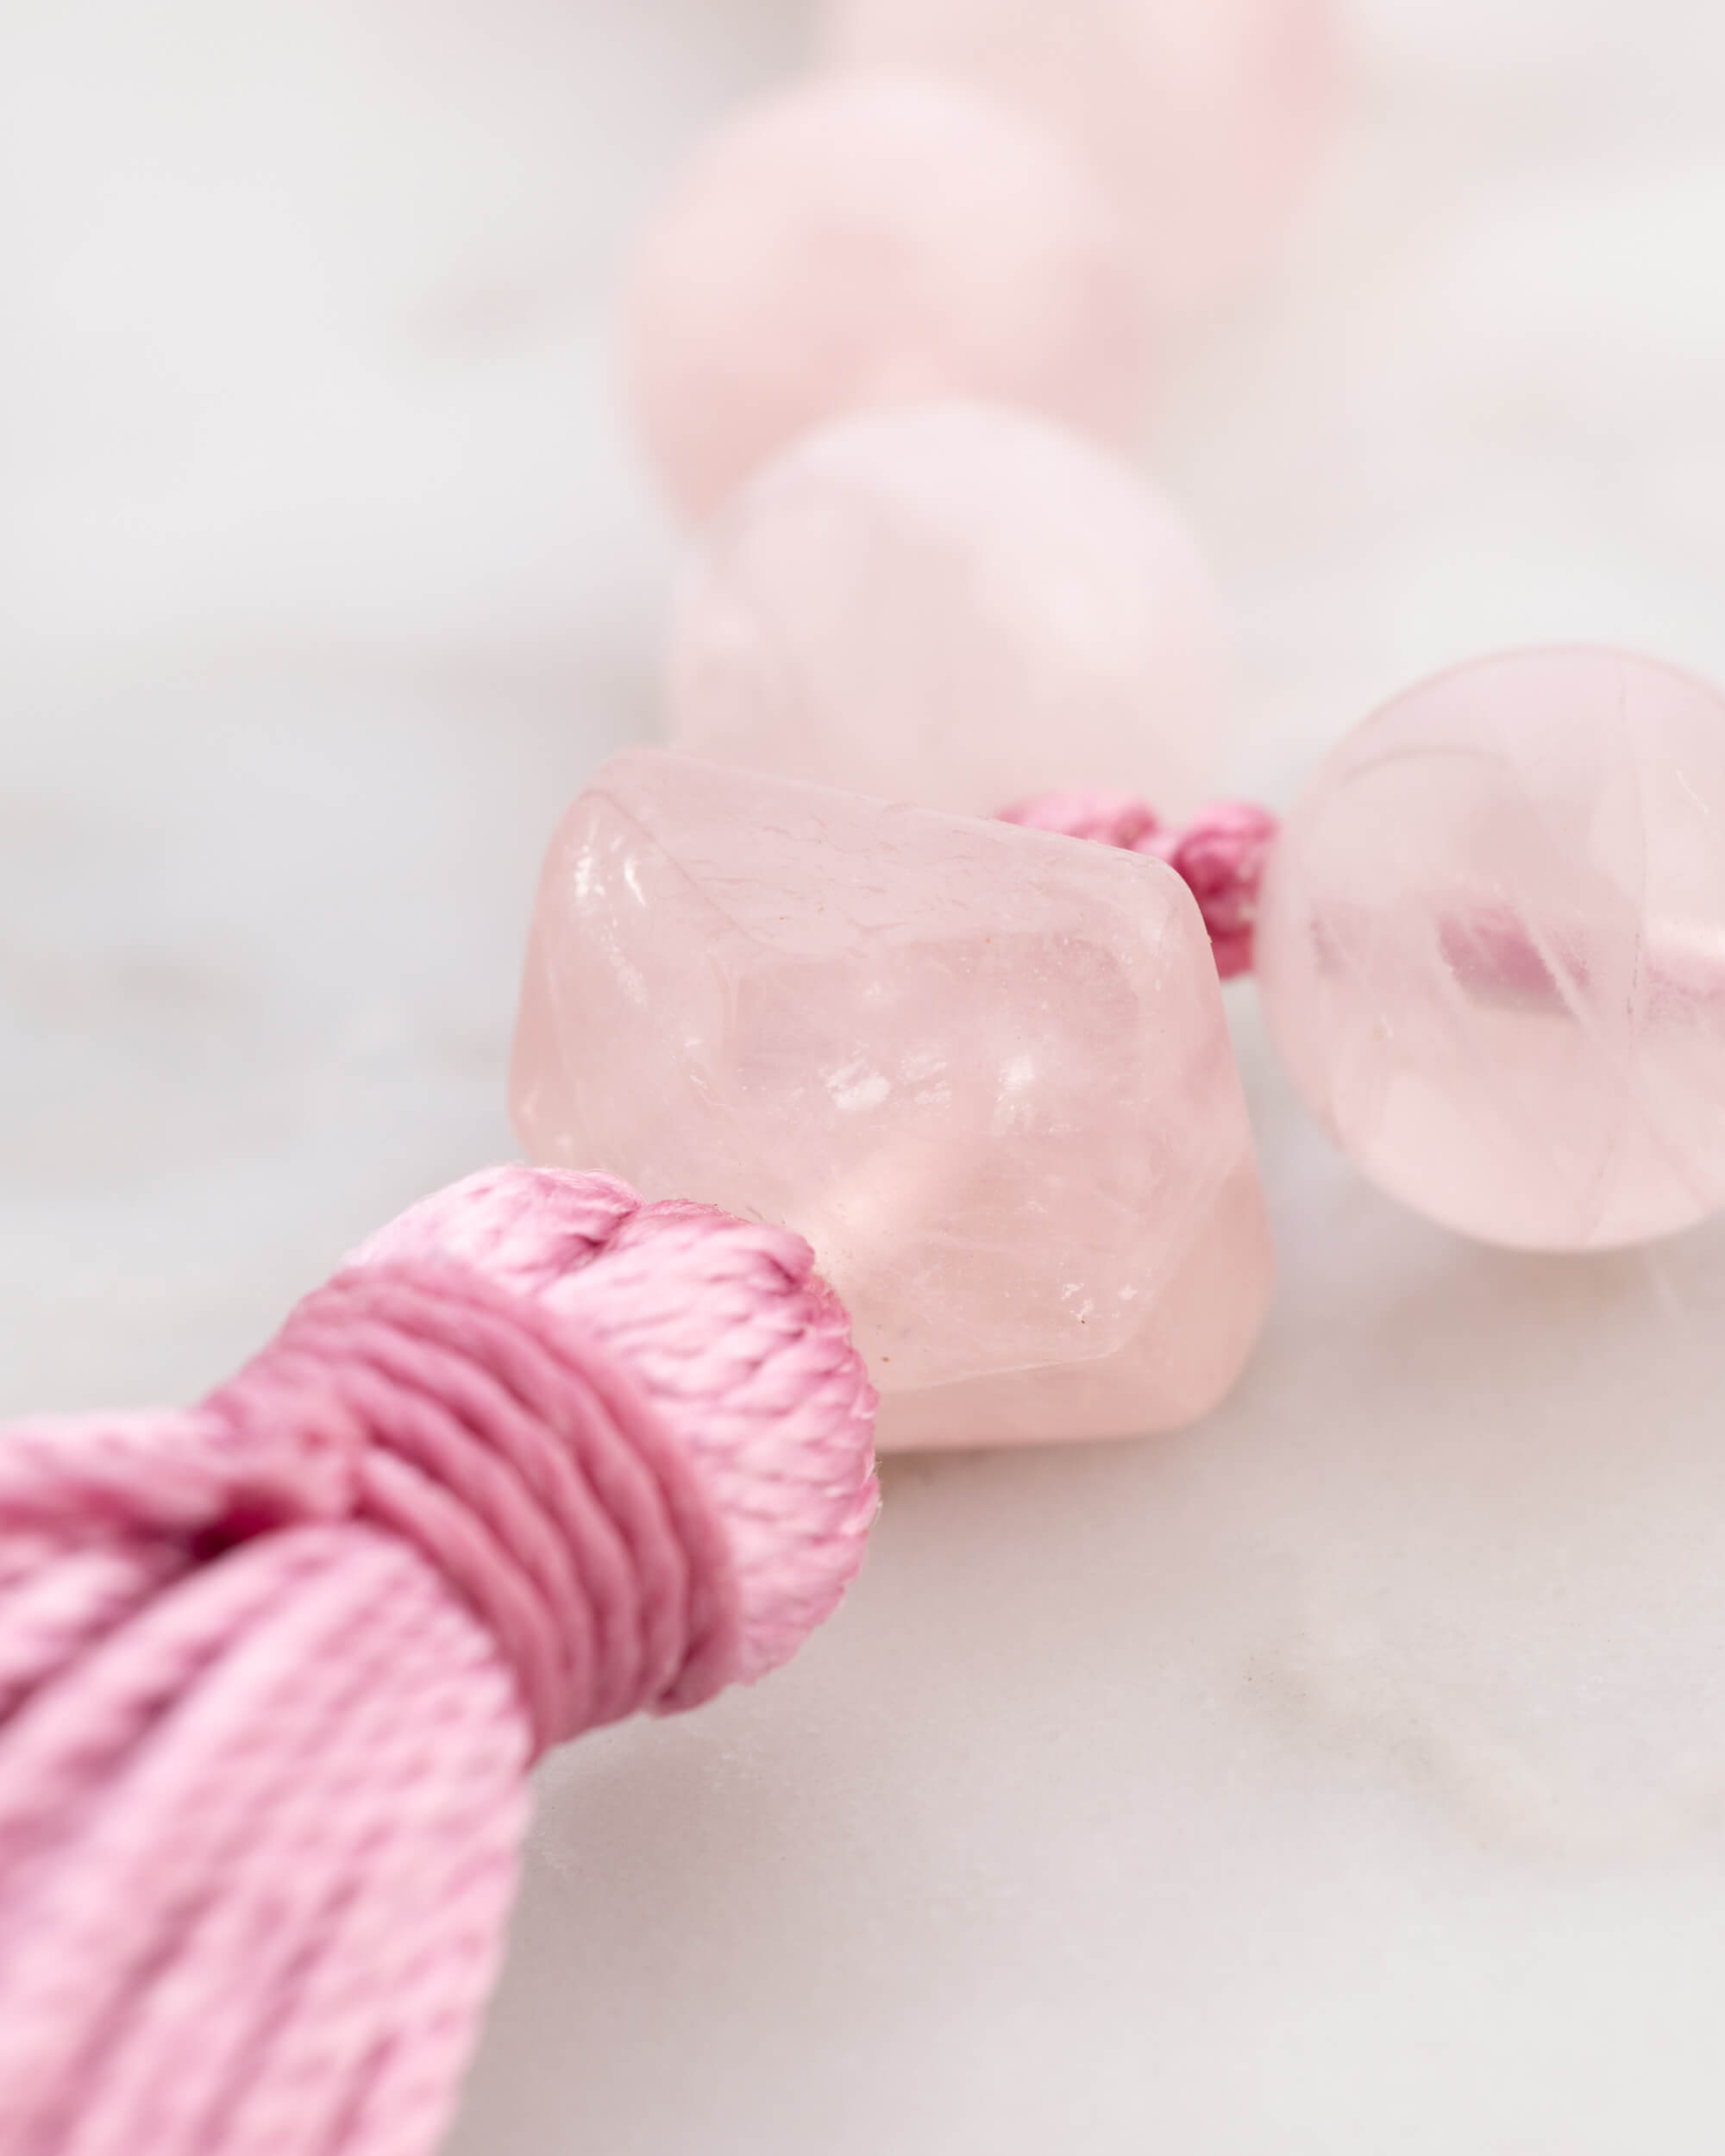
(272, 1672)
(1221, 856)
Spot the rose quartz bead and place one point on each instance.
(872, 239)
(1492, 948)
(1206, 116)
(984, 1070)
(958, 606)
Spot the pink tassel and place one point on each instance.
(273, 1671)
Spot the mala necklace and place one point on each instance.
(853, 967)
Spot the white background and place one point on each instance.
(1347, 1775)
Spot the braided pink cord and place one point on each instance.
(1219, 856)
(272, 1672)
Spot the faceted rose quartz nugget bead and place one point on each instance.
(1204, 117)
(870, 240)
(958, 605)
(1491, 944)
(984, 1070)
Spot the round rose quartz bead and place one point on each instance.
(1492, 948)
(956, 605)
(1205, 116)
(867, 239)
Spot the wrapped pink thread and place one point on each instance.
(271, 1672)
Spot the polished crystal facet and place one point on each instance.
(984, 1070)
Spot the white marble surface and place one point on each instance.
(1347, 1776)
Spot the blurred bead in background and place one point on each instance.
(875, 239)
(1204, 117)
(955, 605)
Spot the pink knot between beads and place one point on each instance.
(1219, 856)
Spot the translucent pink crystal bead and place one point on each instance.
(1205, 116)
(1491, 942)
(983, 1070)
(956, 605)
(869, 240)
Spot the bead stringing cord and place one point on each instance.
(274, 1669)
